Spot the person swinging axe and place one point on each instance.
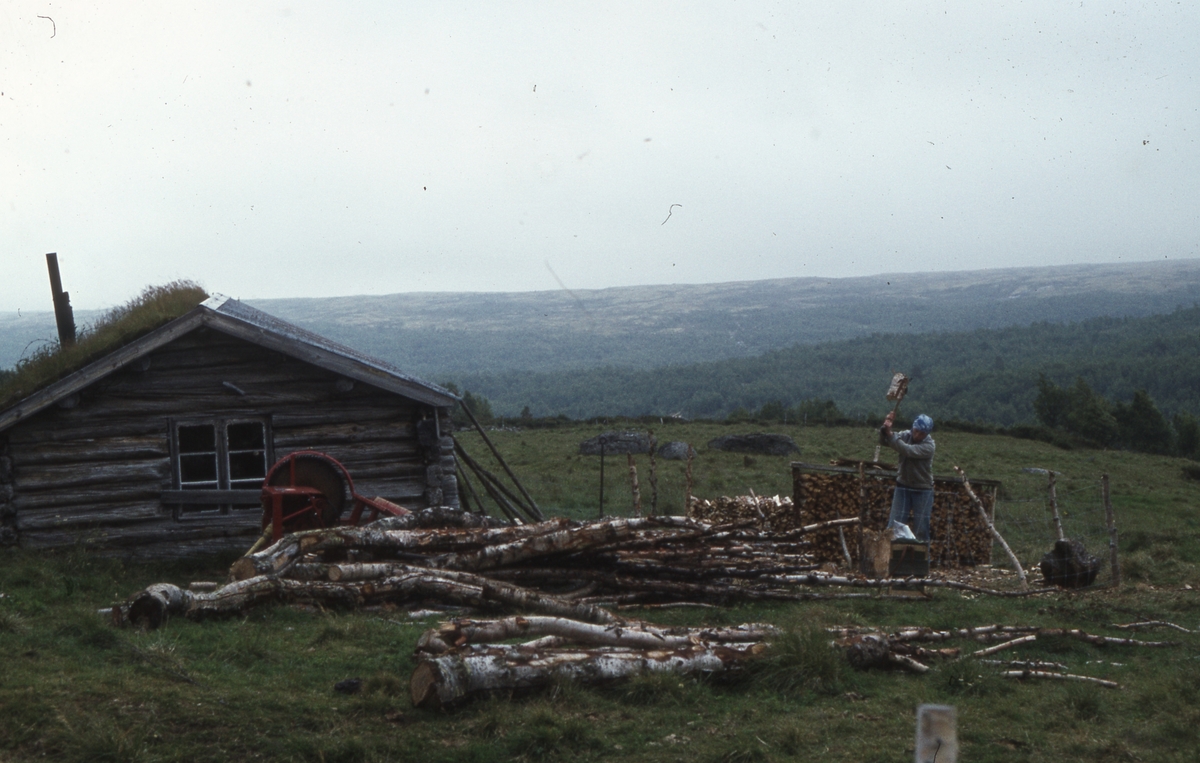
(912, 502)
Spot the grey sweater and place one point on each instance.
(916, 461)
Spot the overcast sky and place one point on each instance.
(326, 149)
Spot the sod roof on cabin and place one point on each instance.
(156, 306)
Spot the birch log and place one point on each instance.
(152, 607)
(480, 670)
(992, 527)
(631, 635)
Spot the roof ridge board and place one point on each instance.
(243, 313)
(348, 366)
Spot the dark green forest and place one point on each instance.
(988, 375)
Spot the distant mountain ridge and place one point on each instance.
(447, 335)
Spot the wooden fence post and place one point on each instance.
(798, 493)
(1053, 478)
(633, 483)
(653, 476)
(937, 734)
(602, 476)
(1112, 530)
(862, 518)
(687, 495)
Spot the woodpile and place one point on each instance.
(555, 568)
(773, 514)
(553, 584)
(958, 534)
(463, 659)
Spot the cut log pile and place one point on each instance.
(958, 534)
(773, 514)
(558, 567)
(462, 659)
(560, 575)
(872, 647)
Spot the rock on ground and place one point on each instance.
(764, 444)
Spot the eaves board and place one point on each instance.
(97, 370)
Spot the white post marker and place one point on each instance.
(937, 734)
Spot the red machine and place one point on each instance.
(308, 490)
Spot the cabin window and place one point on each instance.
(219, 455)
(198, 457)
(247, 453)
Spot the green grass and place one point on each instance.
(154, 307)
(261, 686)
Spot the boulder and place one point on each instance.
(674, 451)
(616, 443)
(764, 444)
(1069, 565)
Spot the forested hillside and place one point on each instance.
(987, 375)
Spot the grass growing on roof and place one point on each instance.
(154, 307)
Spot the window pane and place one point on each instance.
(248, 465)
(247, 435)
(201, 467)
(197, 438)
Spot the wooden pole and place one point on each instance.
(633, 483)
(491, 481)
(1112, 530)
(687, 494)
(63, 316)
(470, 490)
(1054, 504)
(1016, 563)
(536, 512)
(653, 476)
(601, 515)
(798, 493)
(862, 519)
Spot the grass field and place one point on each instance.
(261, 687)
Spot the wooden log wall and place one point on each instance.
(93, 468)
(958, 535)
(8, 513)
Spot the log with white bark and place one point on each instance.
(479, 670)
(1026, 664)
(153, 606)
(375, 538)
(1153, 624)
(987, 633)
(450, 635)
(1006, 645)
(1016, 563)
(1059, 677)
(822, 579)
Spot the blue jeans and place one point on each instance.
(912, 507)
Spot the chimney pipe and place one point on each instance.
(63, 315)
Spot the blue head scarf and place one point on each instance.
(923, 423)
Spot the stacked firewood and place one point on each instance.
(958, 534)
(774, 514)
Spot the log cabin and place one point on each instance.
(159, 448)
